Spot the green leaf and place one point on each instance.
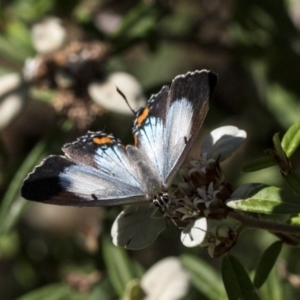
(9, 244)
(203, 277)
(103, 290)
(277, 146)
(118, 265)
(13, 206)
(280, 156)
(236, 280)
(56, 291)
(131, 20)
(32, 10)
(20, 33)
(295, 220)
(5, 49)
(266, 263)
(291, 140)
(42, 95)
(61, 291)
(286, 112)
(260, 198)
(293, 181)
(273, 288)
(259, 164)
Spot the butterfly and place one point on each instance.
(98, 170)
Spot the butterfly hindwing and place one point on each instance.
(149, 127)
(105, 153)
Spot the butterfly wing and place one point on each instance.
(95, 171)
(98, 171)
(168, 126)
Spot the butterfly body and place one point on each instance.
(97, 170)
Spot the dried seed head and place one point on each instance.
(219, 240)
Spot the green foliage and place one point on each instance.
(268, 200)
(204, 277)
(237, 283)
(266, 264)
(291, 139)
(255, 48)
(120, 269)
(259, 164)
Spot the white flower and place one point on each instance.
(194, 233)
(13, 96)
(201, 196)
(204, 185)
(173, 283)
(48, 35)
(222, 142)
(106, 95)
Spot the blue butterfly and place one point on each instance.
(98, 170)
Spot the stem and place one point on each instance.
(267, 225)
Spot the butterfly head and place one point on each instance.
(161, 200)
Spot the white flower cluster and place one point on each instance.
(200, 196)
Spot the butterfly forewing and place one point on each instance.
(96, 172)
(167, 134)
(189, 99)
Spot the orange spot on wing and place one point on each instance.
(142, 117)
(102, 140)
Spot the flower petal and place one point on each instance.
(173, 280)
(13, 95)
(194, 233)
(136, 227)
(223, 141)
(100, 92)
(48, 35)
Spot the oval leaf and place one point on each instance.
(204, 277)
(295, 220)
(118, 266)
(236, 280)
(55, 291)
(291, 139)
(259, 164)
(293, 181)
(280, 156)
(266, 263)
(264, 199)
(273, 288)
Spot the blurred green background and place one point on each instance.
(253, 46)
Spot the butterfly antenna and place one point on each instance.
(124, 97)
